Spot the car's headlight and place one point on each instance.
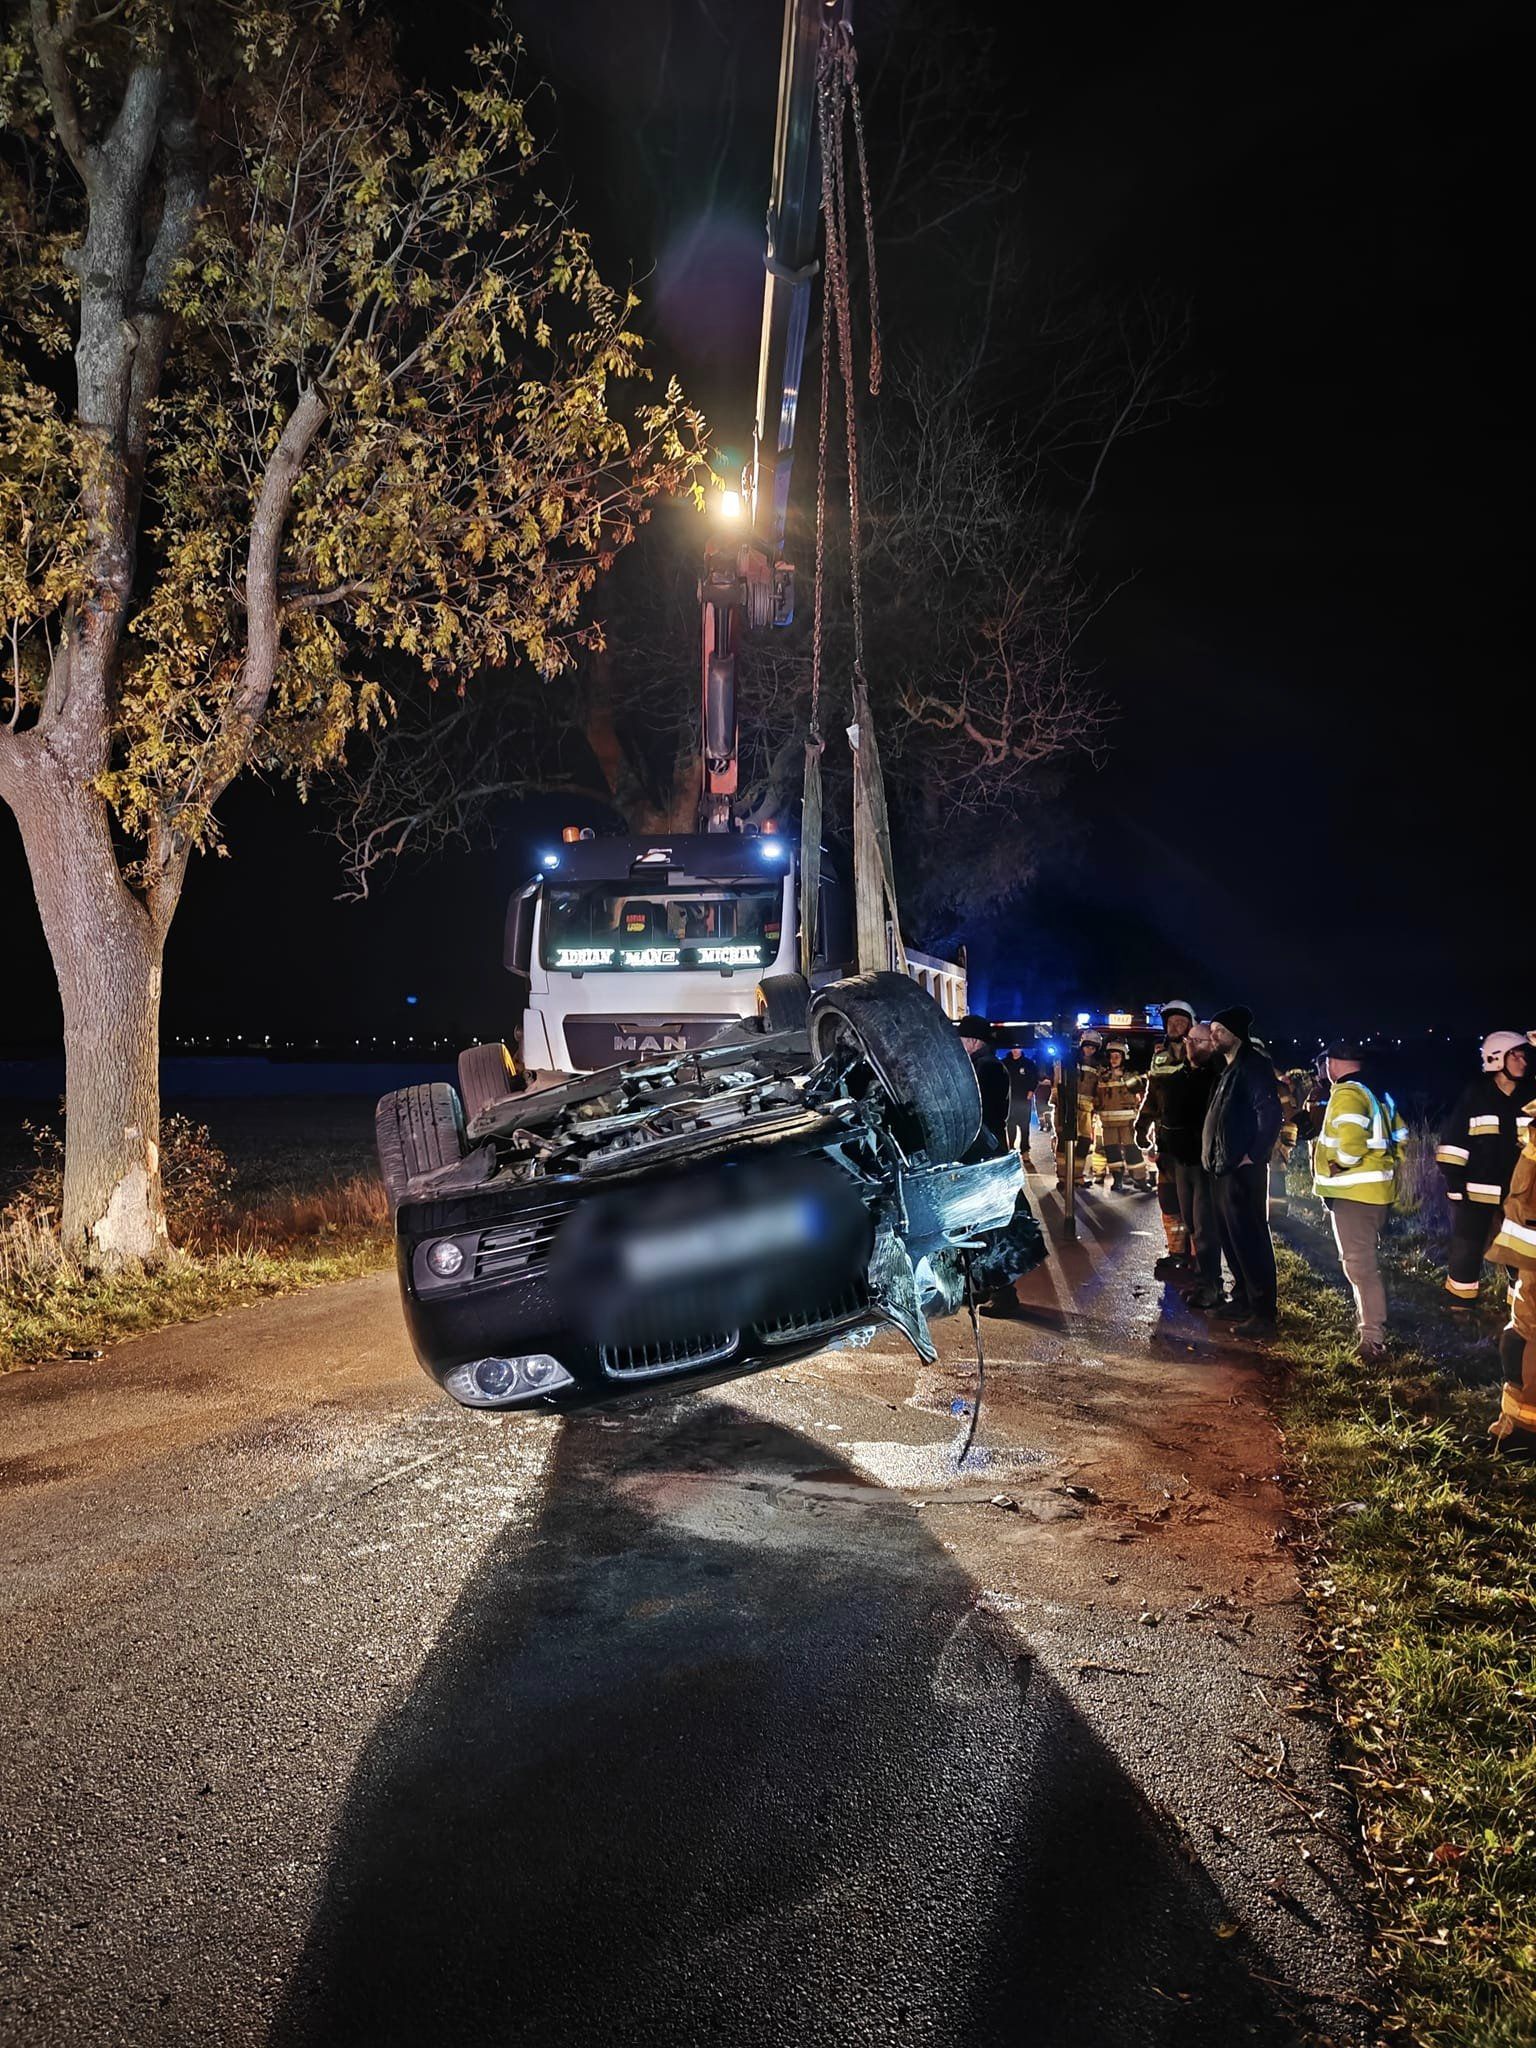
(445, 1258)
(495, 1382)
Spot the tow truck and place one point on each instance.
(621, 947)
(737, 1164)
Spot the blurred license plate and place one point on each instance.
(689, 1250)
(717, 1250)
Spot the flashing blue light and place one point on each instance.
(551, 860)
(773, 849)
(1051, 1052)
(1084, 1019)
(412, 1001)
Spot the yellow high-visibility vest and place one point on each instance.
(1355, 1157)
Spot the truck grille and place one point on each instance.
(668, 1354)
(795, 1329)
(519, 1249)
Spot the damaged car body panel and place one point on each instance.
(682, 1221)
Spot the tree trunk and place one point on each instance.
(107, 954)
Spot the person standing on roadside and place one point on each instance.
(1168, 1063)
(1185, 1098)
(1023, 1073)
(1241, 1126)
(1477, 1153)
(1118, 1099)
(1079, 1109)
(1514, 1433)
(1354, 1166)
(977, 1036)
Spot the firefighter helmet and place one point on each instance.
(1120, 1046)
(1092, 1038)
(1495, 1045)
(1178, 1003)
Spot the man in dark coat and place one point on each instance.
(1241, 1126)
(1023, 1075)
(976, 1036)
(1020, 1244)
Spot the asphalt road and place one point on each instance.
(331, 1713)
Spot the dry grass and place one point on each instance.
(244, 1231)
(341, 1208)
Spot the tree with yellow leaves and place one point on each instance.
(298, 365)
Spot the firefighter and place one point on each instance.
(1514, 1433)
(1477, 1153)
(1087, 1082)
(1167, 1061)
(1117, 1098)
(1285, 1144)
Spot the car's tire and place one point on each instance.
(914, 1053)
(783, 1001)
(487, 1074)
(417, 1130)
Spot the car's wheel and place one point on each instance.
(418, 1130)
(913, 1052)
(782, 1002)
(487, 1074)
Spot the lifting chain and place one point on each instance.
(875, 879)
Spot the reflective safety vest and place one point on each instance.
(1481, 1142)
(1516, 1241)
(1355, 1157)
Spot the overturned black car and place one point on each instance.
(795, 1184)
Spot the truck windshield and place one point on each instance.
(615, 925)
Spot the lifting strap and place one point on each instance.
(877, 921)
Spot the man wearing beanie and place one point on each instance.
(978, 1038)
(1241, 1126)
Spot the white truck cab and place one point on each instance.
(629, 947)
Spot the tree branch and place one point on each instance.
(51, 39)
(264, 618)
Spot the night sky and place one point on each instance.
(1313, 797)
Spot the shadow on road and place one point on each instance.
(722, 1752)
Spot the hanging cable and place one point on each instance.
(981, 1363)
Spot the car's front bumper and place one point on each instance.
(510, 1301)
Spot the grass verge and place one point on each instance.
(294, 1203)
(64, 1311)
(1421, 1580)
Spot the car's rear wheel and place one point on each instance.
(487, 1074)
(782, 1002)
(911, 1050)
(418, 1130)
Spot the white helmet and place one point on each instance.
(1495, 1045)
(1091, 1038)
(1178, 1003)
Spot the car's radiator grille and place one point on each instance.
(667, 1354)
(795, 1329)
(521, 1248)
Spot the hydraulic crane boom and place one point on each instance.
(746, 580)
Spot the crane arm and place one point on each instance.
(746, 580)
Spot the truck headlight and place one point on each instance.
(494, 1382)
(445, 1258)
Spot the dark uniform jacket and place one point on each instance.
(1022, 1077)
(1481, 1142)
(1183, 1096)
(1243, 1119)
(992, 1079)
(1168, 1061)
